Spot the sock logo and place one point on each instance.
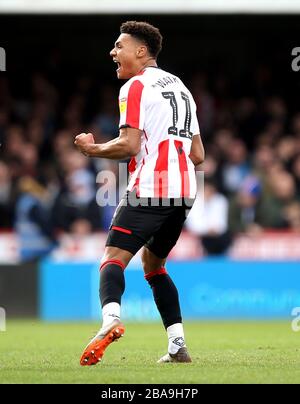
(179, 341)
(113, 315)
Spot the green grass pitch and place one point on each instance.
(239, 352)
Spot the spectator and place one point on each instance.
(292, 215)
(208, 219)
(286, 150)
(244, 211)
(264, 158)
(14, 141)
(33, 220)
(222, 141)
(78, 199)
(275, 108)
(296, 172)
(80, 227)
(7, 197)
(62, 143)
(283, 193)
(106, 122)
(236, 168)
(29, 160)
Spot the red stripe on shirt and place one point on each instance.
(137, 181)
(133, 104)
(132, 165)
(185, 180)
(161, 170)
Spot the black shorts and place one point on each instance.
(153, 223)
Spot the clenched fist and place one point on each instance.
(83, 141)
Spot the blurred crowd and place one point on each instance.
(252, 166)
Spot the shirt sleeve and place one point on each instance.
(132, 106)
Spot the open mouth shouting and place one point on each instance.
(118, 64)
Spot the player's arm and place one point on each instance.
(128, 144)
(197, 153)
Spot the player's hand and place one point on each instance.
(83, 141)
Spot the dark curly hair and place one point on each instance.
(146, 33)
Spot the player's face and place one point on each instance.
(125, 54)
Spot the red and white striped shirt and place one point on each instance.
(159, 104)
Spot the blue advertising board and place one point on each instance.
(209, 289)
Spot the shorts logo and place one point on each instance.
(123, 105)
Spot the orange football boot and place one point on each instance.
(94, 351)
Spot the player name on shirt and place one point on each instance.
(165, 81)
